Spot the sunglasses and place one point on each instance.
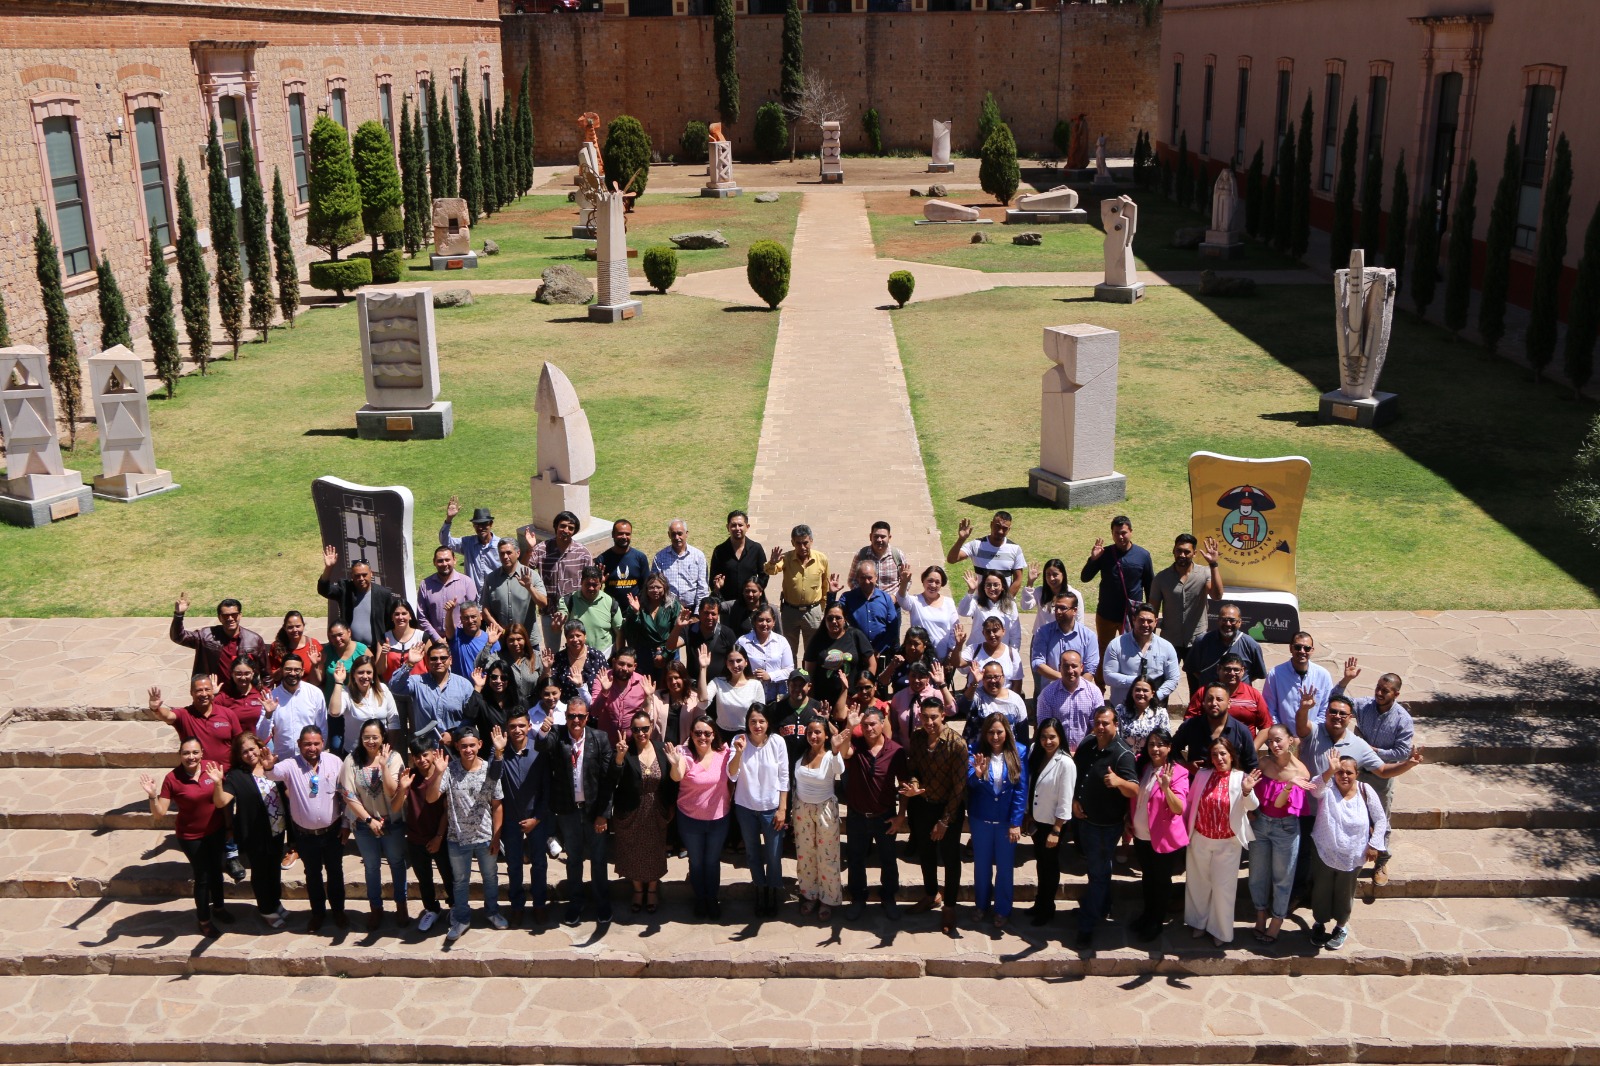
(701, 735)
(640, 729)
(577, 718)
(1299, 647)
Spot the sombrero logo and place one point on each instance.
(1245, 527)
(1256, 521)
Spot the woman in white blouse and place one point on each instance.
(770, 657)
(359, 697)
(991, 598)
(931, 608)
(728, 698)
(759, 771)
(816, 819)
(1351, 830)
(1052, 778)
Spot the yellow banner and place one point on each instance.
(1252, 507)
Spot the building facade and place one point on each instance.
(100, 99)
(1438, 80)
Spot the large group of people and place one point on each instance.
(541, 701)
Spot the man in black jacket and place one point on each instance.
(583, 775)
(363, 606)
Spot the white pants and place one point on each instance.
(1211, 885)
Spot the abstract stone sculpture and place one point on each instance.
(941, 148)
(1078, 150)
(566, 459)
(400, 367)
(591, 173)
(612, 301)
(1102, 172)
(719, 169)
(370, 523)
(1058, 205)
(1120, 217)
(122, 411)
(832, 165)
(1223, 239)
(1078, 423)
(944, 211)
(38, 489)
(452, 237)
(1364, 297)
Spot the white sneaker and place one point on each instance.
(426, 921)
(274, 920)
(499, 921)
(552, 847)
(456, 929)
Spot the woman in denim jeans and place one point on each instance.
(1277, 834)
(375, 811)
(759, 770)
(701, 769)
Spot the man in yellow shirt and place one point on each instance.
(805, 586)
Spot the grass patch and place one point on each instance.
(534, 234)
(675, 423)
(1071, 247)
(1450, 507)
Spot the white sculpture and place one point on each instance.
(590, 175)
(38, 488)
(832, 164)
(1120, 217)
(1102, 172)
(1078, 419)
(612, 302)
(122, 411)
(941, 147)
(400, 367)
(1364, 297)
(566, 457)
(1053, 205)
(944, 211)
(1223, 240)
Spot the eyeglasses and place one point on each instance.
(701, 734)
(1299, 647)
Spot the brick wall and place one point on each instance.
(101, 54)
(912, 67)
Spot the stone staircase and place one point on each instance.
(1484, 946)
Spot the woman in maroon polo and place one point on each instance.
(200, 829)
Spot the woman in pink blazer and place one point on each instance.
(1156, 823)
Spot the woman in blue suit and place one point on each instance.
(997, 799)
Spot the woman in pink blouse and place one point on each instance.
(1219, 829)
(1276, 826)
(704, 804)
(1155, 819)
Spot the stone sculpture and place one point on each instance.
(612, 299)
(1058, 205)
(452, 237)
(122, 411)
(400, 367)
(832, 164)
(1078, 149)
(591, 174)
(1120, 218)
(944, 211)
(38, 488)
(1078, 424)
(719, 169)
(566, 460)
(1223, 238)
(941, 147)
(1364, 297)
(1102, 172)
(368, 523)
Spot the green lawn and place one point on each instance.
(536, 233)
(675, 421)
(1065, 247)
(1449, 507)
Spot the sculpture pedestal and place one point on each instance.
(434, 422)
(833, 177)
(720, 192)
(615, 312)
(31, 514)
(1221, 245)
(465, 261)
(1015, 217)
(1378, 410)
(125, 488)
(583, 232)
(1119, 294)
(1086, 492)
(941, 168)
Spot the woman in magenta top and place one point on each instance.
(1155, 818)
(1276, 846)
(200, 828)
(704, 802)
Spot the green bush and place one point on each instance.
(1061, 137)
(998, 173)
(694, 142)
(872, 126)
(341, 275)
(386, 265)
(661, 267)
(334, 219)
(988, 119)
(772, 131)
(767, 270)
(901, 285)
(627, 154)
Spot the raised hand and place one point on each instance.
(155, 697)
(854, 718)
(544, 726)
(1211, 553)
(497, 737)
(738, 744)
(835, 583)
(211, 771)
(606, 678)
(1352, 669)
(964, 528)
(936, 673)
(905, 573)
(776, 556)
(450, 605)
(647, 683)
(1308, 698)
(414, 656)
(1099, 547)
(525, 578)
(703, 656)
(339, 672)
(182, 606)
(1164, 777)
(330, 556)
(452, 508)
(717, 582)
(269, 703)
(622, 752)
(633, 602)
(1251, 780)
(548, 658)
(408, 777)
(972, 580)
(1033, 575)
(314, 653)
(496, 631)
(148, 783)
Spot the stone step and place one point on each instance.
(1429, 797)
(49, 937)
(1493, 863)
(1534, 1020)
(147, 743)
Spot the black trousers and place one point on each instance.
(205, 862)
(266, 874)
(422, 867)
(1047, 861)
(932, 853)
(1156, 869)
(324, 858)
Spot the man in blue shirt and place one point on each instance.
(1282, 690)
(525, 803)
(625, 566)
(468, 640)
(872, 610)
(1125, 571)
(1055, 638)
(478, 550)
(438, 696)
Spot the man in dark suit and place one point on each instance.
(583, 775)
(363, 606)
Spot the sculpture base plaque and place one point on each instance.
(720, 192)
(615, 312)
(465, 261)
(1088, 492)
(30, 514)
(1379, 409)
(1015, 217)
(434, 422)
(941, 168)
(1119, 294)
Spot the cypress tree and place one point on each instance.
(447, 140)
(1185, 180)
(524, 136)
(988, 119)
(163, 328)
(726, 44)
(224, 243)
(114, 320)
(372, 155)
(334, 219)
(1269, 209)
(194, 281)
(998, 172)
(5, 326)
(419, 150)
(1583, 318)
(1301, 236)
(288, 271)
(467, 140)
(1370, 238)
(1342, 238)
(1458, 276)
(1425, 272)
(504, 132)
(258, 254)
(792, 72)
(1253, 185)
(1394, 253)
(1497, 259)
(436, 183)
(65, 373)
(1552, 250)
(1284, 225)
(408, 180)
(487, 167)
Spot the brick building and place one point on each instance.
(1440, 80)
(99, 99)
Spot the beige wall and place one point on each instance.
(1499, 46)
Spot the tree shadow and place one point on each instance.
(348, 432)
(740, 309)
(1301, 419)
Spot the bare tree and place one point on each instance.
(818, 102)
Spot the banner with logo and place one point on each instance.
(1252, 507)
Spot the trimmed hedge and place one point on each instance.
(694, 142)
(901, 285)
(772, 132)
(386, 265)
(767, 269)
(661, 267)
(341, 275)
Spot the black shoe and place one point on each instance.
(1039, 917)
(1319, 935)
(1085, 940)
(572, 919)
(891, 911)
(235, 868)
(714, 909)
(699, 907)
(855, 911)
(220, 913)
